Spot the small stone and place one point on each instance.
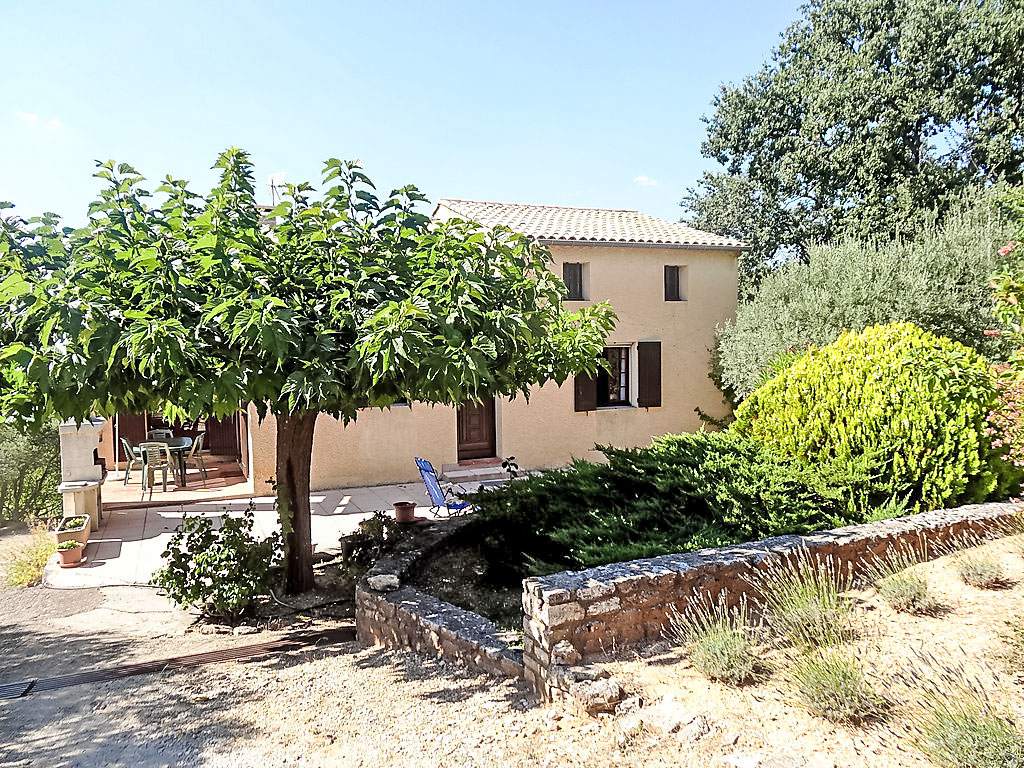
(214, 629)
(596, 696)
(564, 653)
(629, 705)
(245, 629)
(656, 649)
(579, 673)
(697, 729)
(605, 606)
(384, 582)
(594, 590)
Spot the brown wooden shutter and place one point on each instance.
(648, 374)
(672, 284)
(572, 276)
(586, 392)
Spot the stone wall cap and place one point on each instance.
(647, 568)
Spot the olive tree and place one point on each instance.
(330, 303)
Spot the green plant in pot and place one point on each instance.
(75, 528)
(70, 553)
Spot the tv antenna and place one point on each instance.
(275, 181)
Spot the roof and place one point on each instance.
(556, 224)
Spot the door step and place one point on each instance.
(474, 472)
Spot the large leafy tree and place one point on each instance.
(868, 115)
(327, 304)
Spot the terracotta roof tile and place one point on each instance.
(554, 224)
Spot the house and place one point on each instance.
(669, 284)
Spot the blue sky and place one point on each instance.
(571, 103)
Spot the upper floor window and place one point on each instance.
(574, 276)
(675, 283)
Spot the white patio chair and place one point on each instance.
(154, 456)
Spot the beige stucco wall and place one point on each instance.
(379, 447)
(375, 450)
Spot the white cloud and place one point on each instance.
(645, 181)
(28, 117)
(53, 124)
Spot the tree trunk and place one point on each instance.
(294, 455)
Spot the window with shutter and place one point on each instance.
(671, 283)
(585, 391)
(613, 383)
(572, 275)
(648, 365)
(675, 283)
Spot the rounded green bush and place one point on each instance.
(911, 404)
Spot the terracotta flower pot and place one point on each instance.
(70, 558)
(405, 511)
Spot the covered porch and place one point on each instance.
(223, 448)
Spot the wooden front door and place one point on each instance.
(477, 431)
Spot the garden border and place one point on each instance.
(396, 616)
(586, 614)
(575, 617)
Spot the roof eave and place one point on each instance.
(629, 244)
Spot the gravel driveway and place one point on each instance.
(339, 705)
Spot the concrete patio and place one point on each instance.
(127, 548)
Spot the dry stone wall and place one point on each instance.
(575, 616)
(396, 616)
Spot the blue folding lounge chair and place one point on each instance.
(438, 497)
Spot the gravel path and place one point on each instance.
(340, 705)
(343, 705)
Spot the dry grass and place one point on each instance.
(981, 570)
(954, 720)
(23, 563)
(803, 599)
(719, 640)
(900, 584)
(833, 683)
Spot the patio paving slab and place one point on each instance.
(129, 544)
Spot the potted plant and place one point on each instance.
(70, 553)
(405, 511)
(74, 529)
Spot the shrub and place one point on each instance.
(834, 685)
(908, 594)
(371, 538)
(682, 493)
(802, 597)
(911, 404)
(981, 570)
(938, 281)
(719, 641)
(1007, 415)
(25, 564)
(66, 545)
(219, 570)
(902, 588)
(962, 734)
(1014, 637)
(952, 718)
